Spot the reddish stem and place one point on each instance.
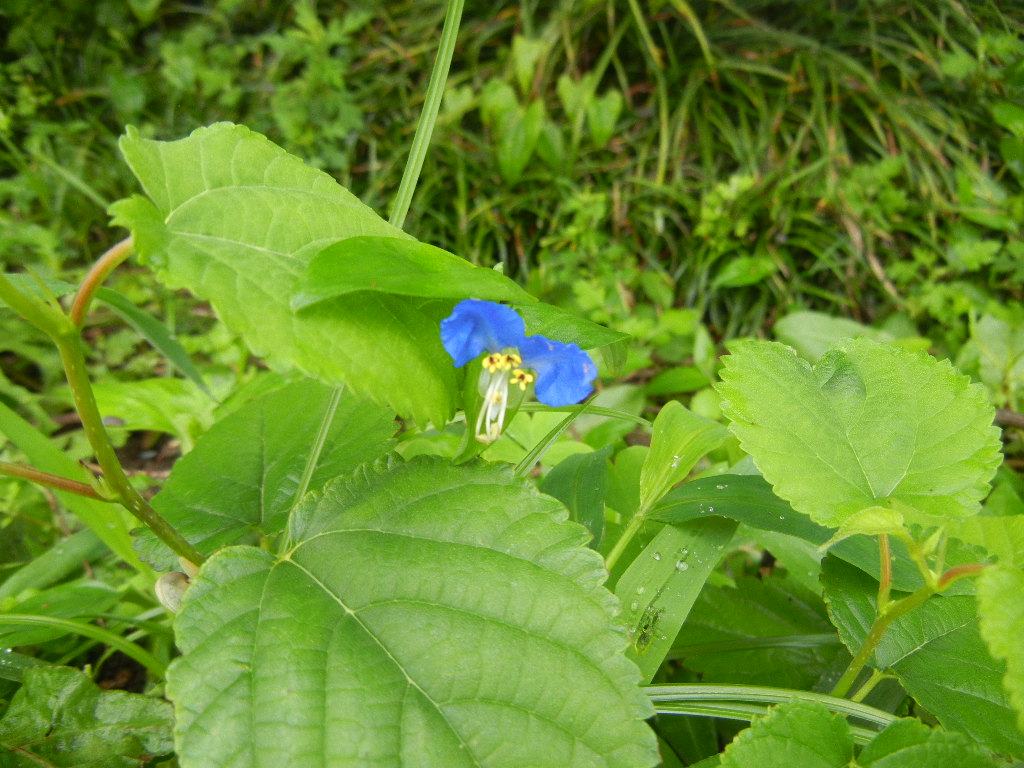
(100, 271)
(50, 481)
(959, 571)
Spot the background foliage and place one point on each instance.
(684, 172)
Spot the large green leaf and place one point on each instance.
(1002, 626)
(405, 267)
(869, 425)
(935, 651)
(240, 481)
(428, 614)
(61, 719)
(236, 220)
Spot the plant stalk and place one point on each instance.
(630, 531)
(50, 481)
(428, 117)
(100, 271)
(70, 347)
(885, 576)
(885, 617)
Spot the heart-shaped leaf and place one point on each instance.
(428, 614)
(870, 424)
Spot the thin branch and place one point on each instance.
(100, 271)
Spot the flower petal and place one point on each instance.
(476, 326)
(564, 371)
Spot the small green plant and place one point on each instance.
(381, 551)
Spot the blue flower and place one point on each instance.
(562, 372)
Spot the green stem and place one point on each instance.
(71, 354)
(627, 536)
(869, 685)
(885, 617)
(65, 334)
(885, 576)
(428, 118)
(50, 481)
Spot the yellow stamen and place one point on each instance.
(522, 378)
(500, 361)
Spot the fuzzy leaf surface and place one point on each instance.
(868, 425)
(236, 220)
(428, 614)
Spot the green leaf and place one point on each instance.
(744, 270)
(1010, 116)
(750, 500)
(936, 653)
(1002, 537)
(175, 407)
(427, 614)
(61, 718)
(36, 287)
(236, 220)
(61, 560)
(240, 481)
(602, 115)
(406, 267)
(580, 482)
(661, 585)
(680, 439)
(799, 733)
(909, 743)
(109, 521)
(873, 521)
(728, 635)
(517, 140)
(869, 425)
(1001, 610)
